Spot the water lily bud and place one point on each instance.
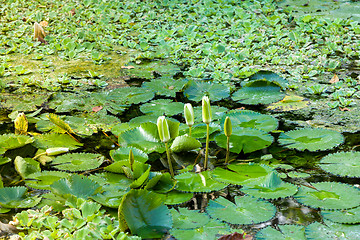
(206, 110)
(227, 127)
(189, 114)
(56, 151)
(163, 129)
(21, 124)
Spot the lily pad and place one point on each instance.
(43, 180)
(289, 103)
(345, 164)
(198, 182)
(272, 188)
(184, 143)
(12, 141)
(133, 95)
(75, 162)
(245, 210)
(251, 119)
(165, 86)
(331, 231)
(145, 137)
(270, 77)
(258, 92)
(122, 153)
(286, 232)
(77, 185)
(329, 195)
(175, 197)
(245, 139)
(346, 216)
(188, 219)
(215, 91)
(53, 140)
(312, 139)
(212, 230)
(242, 174)
(162, 107)
(14, 197)
(145, 214)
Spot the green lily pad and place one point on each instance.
(258, 92)
(12, 141)
(145, 214)
(272, 188)
(75, 162)
(53, 140)
(251, 119)
(162, 107)
(197, 89)
(165, 86)
(188, 219)
(287, 232)
(245, 210)
(345, 216)
(137, 121)
(197, 182)
(43, 180)
(242, 174)
(14, 197)
(184, 143)
(77, 185)
(122, 153)
(133, 95)
(270, 77)
(329, 195)
(26, 166)
(145, 137)
(245, 139)
(212, 230)
(332, 231)
(312, 139)
(216, 113)
(175, 197)
(345, 164)
(199, 130)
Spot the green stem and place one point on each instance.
(169, 160)
(190, 131)
(207, 147)
(227, 150)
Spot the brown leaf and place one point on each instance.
(97, 108)
(39, 32)
(44, 23)
(8, 228)
(127, 67)
(235, 236)
(334, 79)
(72, 12)
(344, 109)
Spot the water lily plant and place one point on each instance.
(206, 116)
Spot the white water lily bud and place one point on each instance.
(163, 129)
(206, 110)
(227, 127)
(189, 114)
(56, 151)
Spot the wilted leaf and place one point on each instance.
(334, 79)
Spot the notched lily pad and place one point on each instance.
(331, 230)
(161, 107)
(345, 216)
(329, 195)
(195, 90)
(312, 139)
(75, 162)
(12, 141)
(345, 164)
(245, 210)
(286, 232)
(14, 197)
(43, 180)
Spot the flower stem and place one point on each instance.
(169, 160)
(227, 150)
(207, 147)
(190, 131)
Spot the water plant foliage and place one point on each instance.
(80, 104)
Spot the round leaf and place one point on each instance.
(75, 162)
(198, 182)
(215, 91)
(162, 107)
(287, 232)
(345, 164)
